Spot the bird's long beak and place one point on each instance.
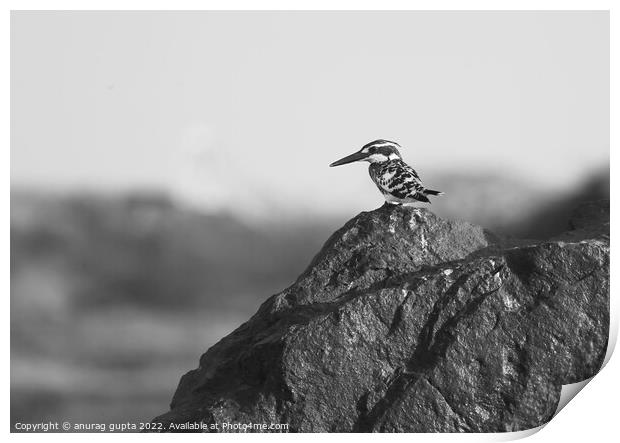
(350, 159)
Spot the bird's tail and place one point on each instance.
(431, 192)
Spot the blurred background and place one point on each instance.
(169, 169)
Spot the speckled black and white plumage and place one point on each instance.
(398, 182)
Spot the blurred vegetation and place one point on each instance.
(114, 298)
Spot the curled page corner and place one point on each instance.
(517, 435)
(569, 392)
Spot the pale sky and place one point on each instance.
(249, 108)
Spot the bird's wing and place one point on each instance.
(411, 171)
(402, 181)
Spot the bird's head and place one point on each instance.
(378, 151)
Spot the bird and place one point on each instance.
(398, 182)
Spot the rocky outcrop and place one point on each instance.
(405, 322)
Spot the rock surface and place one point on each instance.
(405, 322)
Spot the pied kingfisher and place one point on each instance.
(397, 181)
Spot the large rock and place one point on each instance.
(405, 322)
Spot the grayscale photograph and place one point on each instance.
(307, 221)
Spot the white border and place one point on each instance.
(301, 5)
(592, 415)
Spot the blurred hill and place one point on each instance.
(143, 249)
(515, 208)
